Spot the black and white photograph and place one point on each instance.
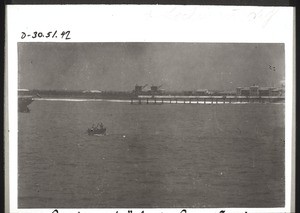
(149, 109)
(151, 125)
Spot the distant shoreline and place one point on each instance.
(79, 99)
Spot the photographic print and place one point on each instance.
(149, 109)
(151, 125)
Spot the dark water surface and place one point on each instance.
(170, 155)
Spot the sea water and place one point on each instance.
(166, 155)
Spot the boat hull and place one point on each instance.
(23, 103)
(96, 131)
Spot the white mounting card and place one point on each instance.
(216, 152)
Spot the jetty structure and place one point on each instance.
(252, 94)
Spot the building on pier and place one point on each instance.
(138, 90)
(264, 91)
(259, 91)
(201, 92)
(254, 90)
(277, 92)
(245, 91)
(155, 90)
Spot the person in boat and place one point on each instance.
(100, 125)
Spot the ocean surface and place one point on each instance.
(168, 155)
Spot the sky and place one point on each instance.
(175, 66)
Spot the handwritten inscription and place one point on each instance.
(262, 16)
(131, 211)
(50, 35)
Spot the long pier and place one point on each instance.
(159, 99)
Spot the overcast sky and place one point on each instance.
(177, 66)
